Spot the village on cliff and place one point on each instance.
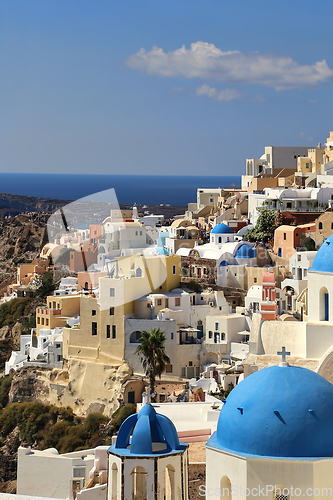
(241, 285)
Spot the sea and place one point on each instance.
(141, 189)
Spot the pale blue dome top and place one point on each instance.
(153, 434)
(221, 229)
(278, 412)
(323, 261)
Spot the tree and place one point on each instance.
(267, 222)
(152, 353)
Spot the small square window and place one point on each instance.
(177, 301)
(159, 302)
(168, 368)
(190, 363)
(93, 312)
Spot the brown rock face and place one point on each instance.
(21, 240)
(8, 461)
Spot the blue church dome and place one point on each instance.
(323, 261)
(280, 411)
(153, 434)
(246, 251)
(221, 229)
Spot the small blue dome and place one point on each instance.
(246, 251)
(278, 412)
(323, 261)
(221, 229)
(153, 434)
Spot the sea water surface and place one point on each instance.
(142, 189)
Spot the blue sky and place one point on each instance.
(83, 90)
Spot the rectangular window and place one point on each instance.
(284, 236)
(210, 334)
(159, 302)
(255, 280)
(168, 368)
(177, 301)
(171, 335)
(111, 311)
(93, 328)
(216, 326)
(223, 336)
(108, 331)
(93, 312)
(190, 363)
(173, 269)
(113, 331)
(183, 372)
(112, 292)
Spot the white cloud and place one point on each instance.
(223, 95)
(204, 60)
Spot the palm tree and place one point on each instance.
(152, 353)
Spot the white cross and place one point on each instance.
(283, 353)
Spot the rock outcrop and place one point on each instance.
(85, 386)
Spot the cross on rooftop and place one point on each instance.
(283, 353)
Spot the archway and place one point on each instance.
(169, 483)
(139, 483)
(114, 481)
(135, 336)
(225, 488)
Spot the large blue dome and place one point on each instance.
(221, 229)
(153, 434)
(323, 261)
(281, 411)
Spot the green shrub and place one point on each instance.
(93, 421)
(5, 384)
(121, 414)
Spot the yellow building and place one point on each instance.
(101, 334)
(304, 164)
(59, 308)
